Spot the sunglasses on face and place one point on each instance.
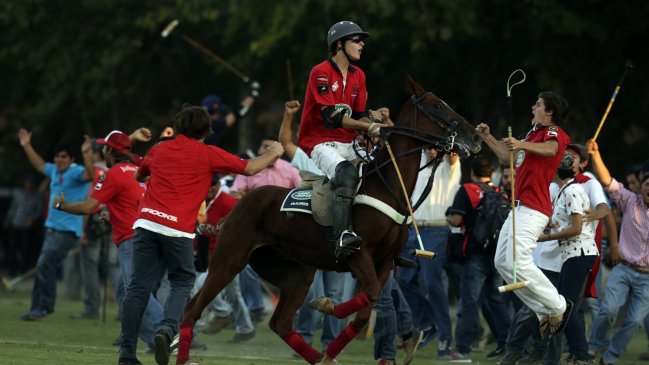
(356, 38)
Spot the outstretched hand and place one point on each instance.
(24, 137)
(277, 148)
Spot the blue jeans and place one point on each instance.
(251, 289)
(55, 248)
(393, 315)
(330, 284)
(153, 253)
(154, 311)
(479, 272)
(622, 283)
(230, 302)
(434, 310)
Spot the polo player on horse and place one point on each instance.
(334, 110)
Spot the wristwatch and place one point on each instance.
(57, 206)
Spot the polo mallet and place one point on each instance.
(421, 252)
(514, 285)
(627, 66)
(192, 42)
(10, 284)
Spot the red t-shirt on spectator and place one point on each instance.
(326, 87)
(181, 171)
(218, 209)
(534, 173)
(118, 189)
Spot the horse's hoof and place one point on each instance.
(328, 361)
(323, 304)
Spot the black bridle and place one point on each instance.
(437, 113)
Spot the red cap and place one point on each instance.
(117, 140)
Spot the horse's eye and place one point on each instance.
(439, 106)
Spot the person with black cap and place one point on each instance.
(222, 116)
(334, 110)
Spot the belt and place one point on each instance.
(437, 223)
(638, 268)
(52, 230)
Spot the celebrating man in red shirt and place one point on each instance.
(536, 162)
(334, 108)
(179, 173)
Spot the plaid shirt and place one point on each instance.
(634, 234)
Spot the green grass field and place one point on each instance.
(58, 340)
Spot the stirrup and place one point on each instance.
(348, 244)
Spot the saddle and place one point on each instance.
(315, 197)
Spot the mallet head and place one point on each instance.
(513, 286)
(169, 28)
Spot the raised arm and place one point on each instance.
(79, 208)
(141, 135)
(498, 147)
(261, 162)
(286, 129)
(599, 168)
(36, 160)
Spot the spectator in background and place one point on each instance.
(63, 230)
(222, 116)
(430, 308)
(25, 209)
(629, 280)
(98, 239)
(633, 181)
(479, 273)
(229, 302)
(280, 173)
(506, 180)
(121, 193)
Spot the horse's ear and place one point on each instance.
(413, 86)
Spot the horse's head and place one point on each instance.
(435, 123)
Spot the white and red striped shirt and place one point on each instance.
(634, 233)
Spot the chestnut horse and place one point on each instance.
(285, 248)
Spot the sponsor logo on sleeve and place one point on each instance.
(322, 84)
(553, 131)
(98, 186)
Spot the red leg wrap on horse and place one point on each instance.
(297, 343)
(339, 343)
(358, 302)
(186, 336)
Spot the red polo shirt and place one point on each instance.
(181, 171)
(326, 87)
(118, 189)
(534, 173)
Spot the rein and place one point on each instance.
(439, 141)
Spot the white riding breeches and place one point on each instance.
(328, 155)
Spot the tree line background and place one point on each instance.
(75, 67)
